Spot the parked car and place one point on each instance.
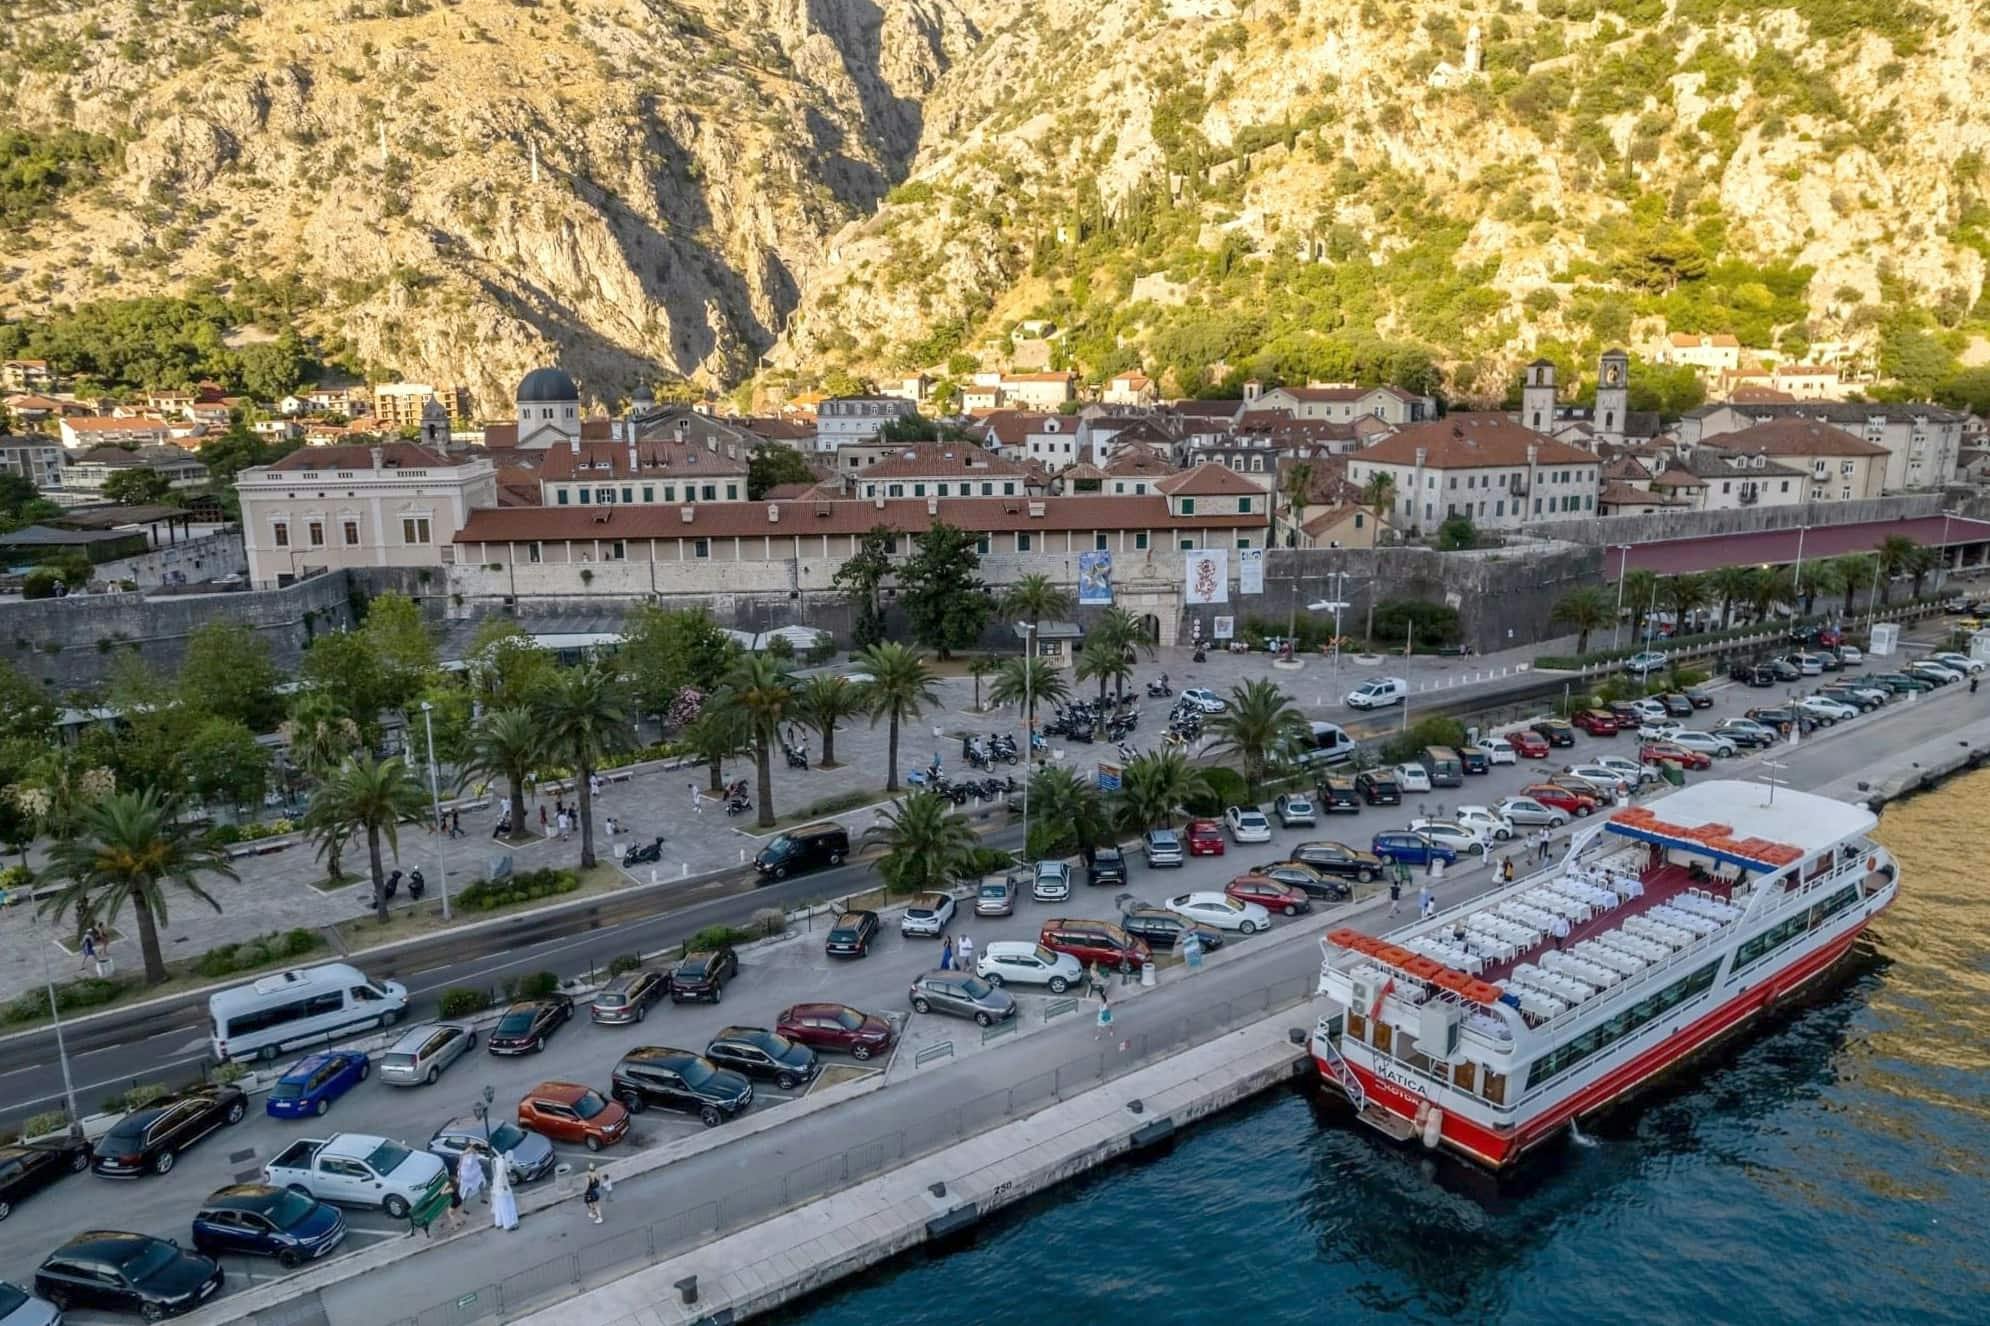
(1475, 759)
(262, 1220)
(1631, 771)
(1107, 866)
(1208, 701)
(810, 847)
(118, 1272)
(570, 1112)
(1523, 810)
(151, 1137)
(1247, 824)
(1484, 820)
(1093, 941)
(1851, 656)
(1411, 777)
(628, 997)
(1414, 848)
(1294, 810)
(28, 1167)
(1051, 882)
(1935, 672)
(996, 895)
(1602, 792)
(1699, 697)
(1706, 743)
(1900, 683)
(1461, 840)
(1746, 733)
(1337, 794)
(531, 1155)
(1826, 711)
(1645, 663)
(1339, 860)
(1379, 787)
(1205, 838)
(312, 1083)
(658, 1077)
(703, 974)
(854, 932)
(1379, 693)
(1499, 750)
(1162, 928)
(1163, 847)
(526, 1026)
(1861, 698)
(358, 1169)
(1785, 669)
(1221, 911)
(1676, 704)
(418, 1058)
(1529, 745)
(1808, 665)
(1753, 674)
(929, 914)
(1649, 710)
(1313, 883)
(1596, 722)
(835, 1027)
(18, 1307)
(758, 1053)
(1660, 729)
(1554, 731)
(961, 994)
(1665, 752)
(1017, 960)
(1783, 718)
(1270, 894)
(1963, 663)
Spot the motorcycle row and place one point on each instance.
(934, 779)
(1083, 720)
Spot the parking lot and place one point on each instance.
(772, 975)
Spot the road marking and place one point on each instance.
(18, 1071)
(119, 1080)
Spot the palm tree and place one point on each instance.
(1121, 632)
(1729, 586)
(1099, 661)
(1585, 609)
(1639, 587)
(319, 735)
(1896, 556)
(826, 700)
(1260, 721)
(901, 686)
(718, 733)
(1855, 572)
(1770, 589)
(759, 687)
(1152, 787)
(1821, 577)
(926, 845)
(1066, 813)
(1031, 680)
(1924, 561)
(978, 667)
(507, 746)
(1033, 597)
(1295, 487)
(369, 795)
(1379, 495)
(583, 719)
(125, 847)
(1683, 594)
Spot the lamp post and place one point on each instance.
(1796, 582)
(435, 806)
(61, 1050)
(1623, 569)
(1335, 605)
(1029, 726)
(1941, 567)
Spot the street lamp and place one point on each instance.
(1335, 605)
(1941, 567)
(1796, 590)
(1623, 569)
(61, 1051)
(435, 806)
(1029, 727)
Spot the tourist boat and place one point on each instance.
(1492, 1027)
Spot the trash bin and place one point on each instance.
(1673, 774)
(1147, 973)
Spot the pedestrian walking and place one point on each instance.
(470, 1174)
(1095, 978)
(947, 954)
(1105, 1015)
(542, 821)
(1395, 894)
(1560, 930)
(452, 1219)
(1426, 904)
(86, 954)
(697, 802)
(1972, 684)
(964, 954)
(591, 1197)
(1506, 871)
(1541, 846)
(456, 823)
(504, 1203)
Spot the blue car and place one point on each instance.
(314, 1082)
(258, 1220)
(1412, 848)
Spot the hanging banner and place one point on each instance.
(1250, 571)
(1226, 628)
(1095, 578)
(1109, 777)
(1207, 578)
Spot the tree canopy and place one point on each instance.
(942, 590)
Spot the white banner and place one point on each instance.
(1250, 571)
(1207, 578)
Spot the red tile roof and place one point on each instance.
(1692, 340)
(1796, 437)
(610, 460)
(1209, 481)
(1472, 441)
(942, 459)
(1624, 494)
(1012, 428)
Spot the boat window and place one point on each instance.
(1357, 1026)
(1383, 1036)
(1465, 1076)
(1495, 1088)
(1756, 947)
(1568, 1055)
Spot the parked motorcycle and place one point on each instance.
(1159, 689)
(640, 854)
(416, 885)
(738, 805)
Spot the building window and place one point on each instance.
(1786, 485)
(582, 494)
(981, 545)
(1243, 543)
(988, 490)
(605, 496)
(1187, 545)
(918, 490)
(894, 490)
(1726, 486)
(670, 492)
(1099, 542)
(1009, 489)
(317, 533)
(414, 529)
(282, 533)
(352, 534)
(941, 490)
(1188, 506)
(617, 551)
(732, 492)
(1845, 493)
(1023, 543)
(628, 494)
(701, 547)
(1244, 506)
(649, 492)
(535, 552)
(561, 495)
(1140, 541)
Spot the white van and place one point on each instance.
(1325, 743)
(304, 1006)
(1379, 693)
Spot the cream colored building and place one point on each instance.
(327, 508)
(399, 404)
(1038, 391)
(1711, 353)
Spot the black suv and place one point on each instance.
(1316, 883)
(525, 1027)
(1336, 794)
(1556, 731)
(120, 1272)
(152, 1136)
(851, 936)
(682, 1081)
(1339, 860)
(1379, 787)
(1108, 866)
(1164, 929)
(764, 1054)
(703, 975)
(28, 1167)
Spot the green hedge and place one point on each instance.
(527, 886)
(1702, 639)
(71, 996)
(627, 962)
(1407, 747)
(227, 959)
(714, 936)
(536, 985)
(460, 1001)
(1226, 788)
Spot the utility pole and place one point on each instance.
(435, 806)
(1623, 569)
(61, 1050)
(1029, 727)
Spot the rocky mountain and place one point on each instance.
(707, 188)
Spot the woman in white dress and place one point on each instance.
(504, 1206)
(469, 1174)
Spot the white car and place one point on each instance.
(1850, 656)
(1448, 833)
(1052, 882)
(1526, 810)
(1026, 963)
(1649, 709)
(1379, 693)
(1705, 742)
(1929, 670)
(1659, 729)
(1412, 778)
(1948, 658)
(1247, 824)
(1499, 750)
(1221, 911)
(1810, 665)
(1483, 820)
(1627, 768)
(1205, 699)
(929, 914)
(1643, 664)
(1604, 776)
(1828, 711)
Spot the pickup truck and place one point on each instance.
(353, 1169)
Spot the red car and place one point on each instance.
(569, 1112)
(1529, 745)
(1094, 941)
(1664, 752)
(1561, 798)
(1205, 838)
(835, 1027)
(1270, 894)
(1596, 722)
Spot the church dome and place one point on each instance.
(546, 385)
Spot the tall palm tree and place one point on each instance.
(1296, 485)
(718, 733)
(1066, 814)
(1029, 680)
(372, 796)
(584, 720)
(1379, 495)
(1683, 594)
(1729, 587)
(1260, 721)
(1639, 587)
(318, 736)
(979, 667)
(126, 847)
(759, 687)
(1921, 564)
(1855, 572)
(1584, 609)
(926, 845)
(900, 688)
(1121, 632)
(1099, 661)
(1154, 786)
(1896, 557)
(1034, 597)
(506, 745)
(826, 700)
(1824, 576)
(1770, 589)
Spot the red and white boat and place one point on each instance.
(1489, 1028)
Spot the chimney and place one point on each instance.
(379, 455)
(683, 429)
(689, 513)
(932, 506)
(573, 444)
(773, 513)
(1036, 510)
(635, 466)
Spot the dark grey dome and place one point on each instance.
(545, 385)
(643, 397)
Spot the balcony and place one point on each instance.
(1518, 487)
(1750, 495)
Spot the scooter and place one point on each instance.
(797, 757)
(738, 805)
(1201, 655)
(1158, 689)
(930, 776)
(416, 886)
(642, 855)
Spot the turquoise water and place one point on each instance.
(1830, 1168)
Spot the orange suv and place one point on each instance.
(570, 1112)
